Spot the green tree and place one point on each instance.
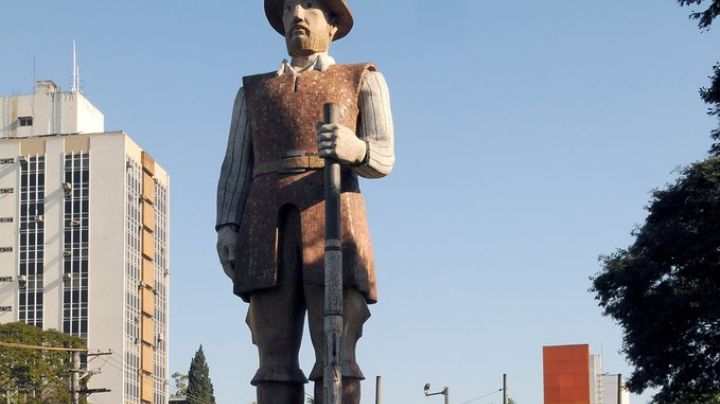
(35, 376)
(664, 290)
(200, 388)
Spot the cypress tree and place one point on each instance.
(200, 388)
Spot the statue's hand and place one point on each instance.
(340, 143)
(226, 244)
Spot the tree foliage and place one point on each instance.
(181, 386)
(711, 94)
(706, 17)
(664, 290)
(200, 388)
(35, 376)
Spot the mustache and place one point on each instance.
(299, 26)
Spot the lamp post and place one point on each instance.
(445, 392)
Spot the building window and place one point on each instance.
(75, 245)
(32, 240)
(133, 265)
(25, 121)
(161, 298)
(5, 308)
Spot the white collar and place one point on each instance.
(321, 63)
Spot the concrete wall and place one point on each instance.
(53, 111)
(566, 374)
(107, 258)
(610, 388)
(54, 223)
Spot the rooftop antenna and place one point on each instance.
(75, 72)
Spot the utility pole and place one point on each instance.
(378, 389)
(76, 372)
(505, 389)
(619, 388)
(75, 386)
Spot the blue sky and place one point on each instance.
(529, 135)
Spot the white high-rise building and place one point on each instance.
(610, 390)
(604, 386)
(596, 384)
(84, 238)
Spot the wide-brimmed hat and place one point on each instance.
(344, 19)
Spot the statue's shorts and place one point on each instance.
(277, 315)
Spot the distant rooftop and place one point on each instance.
(49, 111)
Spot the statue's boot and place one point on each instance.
(280, 393)
(350, 393)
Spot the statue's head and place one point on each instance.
(309, 26)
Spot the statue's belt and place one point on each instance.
(290, 164)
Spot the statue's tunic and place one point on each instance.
(282, 112)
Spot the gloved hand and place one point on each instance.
(227, 237)
(340, 143)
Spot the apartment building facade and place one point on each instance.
(84, 238)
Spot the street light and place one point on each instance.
(445, 392)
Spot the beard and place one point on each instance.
(307, 44)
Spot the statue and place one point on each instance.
(271, 222)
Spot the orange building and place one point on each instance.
(566, 374)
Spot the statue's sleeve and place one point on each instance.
(236, 172)
(376, 127)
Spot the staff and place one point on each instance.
(333, 274)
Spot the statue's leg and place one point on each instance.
(355, 312)
(276, 318)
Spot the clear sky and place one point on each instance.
(529, 135)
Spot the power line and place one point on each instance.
(40, 348)
(483, 396)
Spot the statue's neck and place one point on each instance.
(304, 61)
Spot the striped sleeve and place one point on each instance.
(236, 172)
(376, 127)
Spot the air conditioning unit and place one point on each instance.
(67, 253)
(39, 218)
(67, 187)
(22, 281)
(161, 336)
(75, 222)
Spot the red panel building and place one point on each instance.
(566, 374)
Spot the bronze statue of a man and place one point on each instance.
(270, 220)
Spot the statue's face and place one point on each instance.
(308, 27)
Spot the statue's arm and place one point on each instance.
(234, 185)
(236, 172)
(376, 127)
